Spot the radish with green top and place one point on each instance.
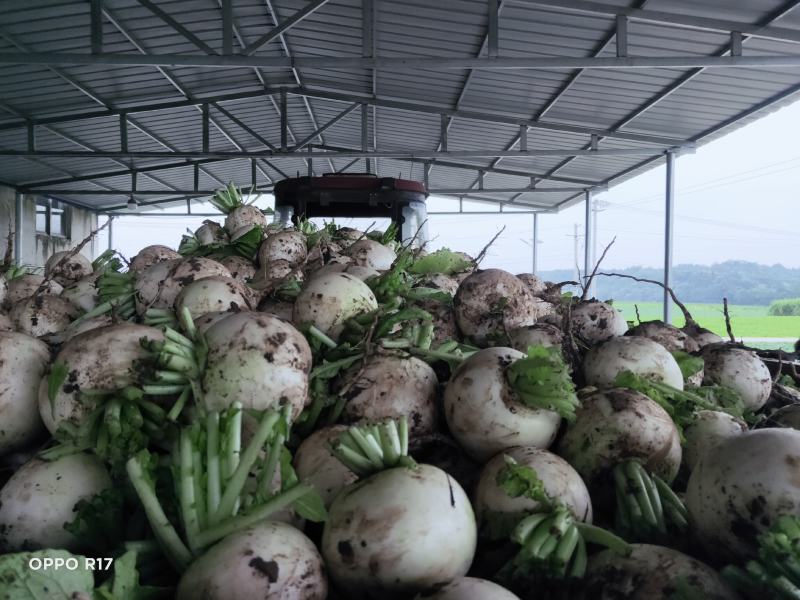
(217, 293)
(403, 528)
(150, 255)
(40, 498)
(485, 412)
(742, 488)
(739, 369)
(595, 321)
(619, 424)
(67, 267)
(491, 302)
(669, 336)
(390, 387)
(638, 355)
(241, 269)
(87, 368)
(239, 215)
(653, 573)
(269, 561)
(285, 245)
(83, 293)
(23, 361)
(257, 359)
(709, 429)
(315, 463)
(469, 588)
(539, 334)
(534, 283)
(369, 253)
(159, 285)
(328, 301)
(43, 315)
(560, 481)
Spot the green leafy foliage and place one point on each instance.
(542, 380)
(689, 365)
(787, 307)
(227, 199)
(311, 506)
(518, 480)
(58, 375)
(441, 261)
(18, 581)
(682, 405)
(775, 573)
(245, 245)
(99, 521)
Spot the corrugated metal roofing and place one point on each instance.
(692, 104)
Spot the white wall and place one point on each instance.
(37, 247)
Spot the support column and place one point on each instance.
(110, 233)
(19, 229)
(535, 243)
(588, 246)
(669, 213)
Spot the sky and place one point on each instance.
(737, 198)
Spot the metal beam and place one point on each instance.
(672, 19)
(96, 25)
(535, 240)
(407, 153)
(399, 63)
(176, 26)
(305, 141)
(669, 218)
(19, 226)
(489, 117)
(284, 26)
(268, 187)
(588, 238)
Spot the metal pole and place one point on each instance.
(19, 206)
(110, 233)
(588, 240)
(535, 242)
(669, 210)
(595, 207)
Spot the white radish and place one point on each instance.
(287, 245)
(469, 588)
(315, 463)
(490, 302)
(217, 293)
(150, 255)
(257, 359)
(25, 286)
(66, 267)
(617, 425)
(561, 483)
(269, 561)
(43, 315)
(23, 361)
(738, 491)
(328, 301)
(539, 334)
(40, 498)
(739, 369)
(369, 253)
(390, 387)
(399, 532)
(596, 321)
(483, 413)
(639, 355)
(707, 431)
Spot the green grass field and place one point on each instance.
(746, 321)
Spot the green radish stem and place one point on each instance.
(175, 550)
(368, 449)
(321, 337)
(213, 481)
(238, 478)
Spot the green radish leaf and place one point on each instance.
(99, 522)
(247, 244)
(20, 581)
(310, 507)
(542, 380)
(442, 261)
(689, 365)
(58, 375)
(518, 480)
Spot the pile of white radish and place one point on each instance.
(308, 412)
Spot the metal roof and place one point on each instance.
(525, 103)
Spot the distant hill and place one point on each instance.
(741, 282)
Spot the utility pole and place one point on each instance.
(598, 207)
(576, 270)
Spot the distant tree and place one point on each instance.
(741, 282)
